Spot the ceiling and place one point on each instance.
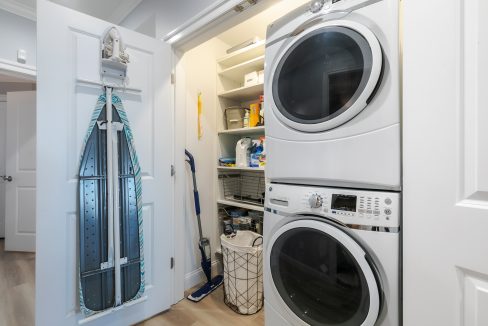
(256, 26)
(113, 11)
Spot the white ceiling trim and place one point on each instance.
(122, 11)
(18, 9)
(14, 69)
(216, 12)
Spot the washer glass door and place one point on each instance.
(320, 278)
(327, 77)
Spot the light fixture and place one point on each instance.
(244, 5)
(316, 5)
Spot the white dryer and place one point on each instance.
(332, 257)
(332, 95)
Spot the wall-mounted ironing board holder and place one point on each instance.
(113, 76)
(113, 71)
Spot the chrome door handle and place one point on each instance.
(5, 178)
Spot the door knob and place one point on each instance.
(6, 178)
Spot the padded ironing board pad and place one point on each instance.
(97, 285)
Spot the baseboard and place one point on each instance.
(197, 276)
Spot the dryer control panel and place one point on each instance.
(349, 206)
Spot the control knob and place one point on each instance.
(315, 201)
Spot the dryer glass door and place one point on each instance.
(321, 275)
(326, 77)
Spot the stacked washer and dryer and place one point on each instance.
(333, 202)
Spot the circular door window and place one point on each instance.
(322, 276)
(326, 77)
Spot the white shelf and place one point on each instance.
(244, 93)
(243, 131)
(238, 71)
(241, 205)
(233, 168)
(249, 52)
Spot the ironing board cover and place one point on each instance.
(97, 285)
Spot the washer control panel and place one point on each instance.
(350, 206)
(316, 201)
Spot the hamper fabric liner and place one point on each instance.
(243, 272)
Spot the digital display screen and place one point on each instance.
(344, 203)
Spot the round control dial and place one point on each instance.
(316, 201)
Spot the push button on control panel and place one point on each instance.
(388, 201)
(387, 211)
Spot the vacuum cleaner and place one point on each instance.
(203, 244)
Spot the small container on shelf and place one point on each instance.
(251, 79)
(227, 162)
(234, 117)
(254, 117)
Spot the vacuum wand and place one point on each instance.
(196, 197)
(203, 243)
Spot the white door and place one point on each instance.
(68, 55)
(20, 172)
(3, 144)
(446, 163)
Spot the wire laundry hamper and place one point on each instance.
(243, 272)
(244, 187)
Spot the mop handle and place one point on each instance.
(191, 161)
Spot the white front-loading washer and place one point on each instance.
(332, 95)
(331, 256)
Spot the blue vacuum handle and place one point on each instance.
(191, 160)
(196, 196)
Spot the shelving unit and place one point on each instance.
(231, 70)
(244, 93)
(245, 54)
(241, 205)
(236, 72)
(233, 168)
(243, 131)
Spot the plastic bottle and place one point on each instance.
(246, 119)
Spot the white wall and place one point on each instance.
(17, 33)
(169, 14)
(200, 68)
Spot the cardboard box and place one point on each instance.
(251, 79)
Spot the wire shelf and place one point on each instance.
(243, 187)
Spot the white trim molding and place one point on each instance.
(19, 9)
(197, 276)
(218, 12)
(14, 69)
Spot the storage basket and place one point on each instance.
(243, 187)
(243, 272)
(234, 117)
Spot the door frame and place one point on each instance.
(209, 23)
(3, 133)
(18, 70)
